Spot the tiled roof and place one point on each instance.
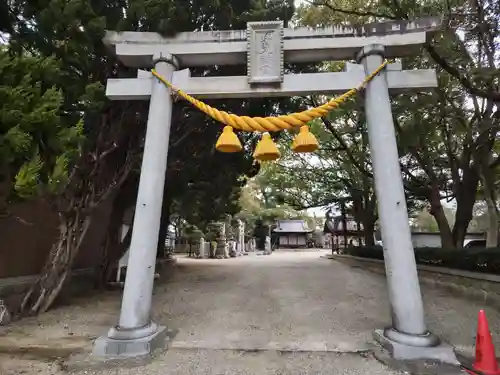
(292, 226)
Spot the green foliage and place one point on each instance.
(423, 221)
(192, 233)
(206, 185)
(27, 178)
(201, 190)
(171, 17)
(446, 138)
(340, 171)
(202, 185)
(33, 139)
(261, 203)
(258, 201)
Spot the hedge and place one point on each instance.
(486, 260)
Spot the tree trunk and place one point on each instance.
(101, 169)
(444, 228)
(466, 198)
(113, 246)
(5, 185)
(366, 216)
(57, 269)
(164, 222)
(437, 211)
(369, 232)
(369, 219)
(343, 214)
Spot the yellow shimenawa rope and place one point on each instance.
(263, 124)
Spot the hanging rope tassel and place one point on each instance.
(228, 141)
(305, 141)
(266, 149)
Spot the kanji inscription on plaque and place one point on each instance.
(265, 52)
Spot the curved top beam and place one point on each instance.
(135, 49)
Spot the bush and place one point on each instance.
(486, 260)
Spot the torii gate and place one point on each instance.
(136, 334)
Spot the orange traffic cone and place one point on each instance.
(486, 362)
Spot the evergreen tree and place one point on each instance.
(448, 139)
(36, 149)
(198, 179)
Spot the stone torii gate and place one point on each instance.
(264, 47)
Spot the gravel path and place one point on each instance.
(244, 316)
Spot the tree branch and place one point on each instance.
(454, 72)
(343, 145)
(353, 12)
(442, 62)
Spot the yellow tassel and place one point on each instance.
(266, 149)
(305, 141)
(228, 141)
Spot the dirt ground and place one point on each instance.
(287, 313)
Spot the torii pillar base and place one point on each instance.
(442, 352)
(124, 348)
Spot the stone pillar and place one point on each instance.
(221, 251)
(136, 334)
(232, 249)
(231, 239)
(5, 317)
(241, 237)
(408, 338)
(195, 246)
(200, 248)
(267, 248)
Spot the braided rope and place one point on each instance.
(277, 123)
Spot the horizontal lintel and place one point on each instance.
(300, 50)
(293, 85)
(428, 24)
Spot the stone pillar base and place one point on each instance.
(441, 352)
(111, 348)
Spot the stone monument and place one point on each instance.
(200, 250)
(5, 317)
(241, 237)
(221, 250)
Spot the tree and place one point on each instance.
(72, 32)
(35, 145)
(481, 220)
(424, 221)
(107, 163)
(339, 171)
(258, 202)
(445, 149)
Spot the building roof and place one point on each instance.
(292, 226)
